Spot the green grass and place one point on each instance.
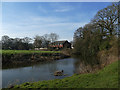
(105, 78)
(25, 51)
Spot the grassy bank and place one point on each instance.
(19, 58)
(25, 51)
(105, 78)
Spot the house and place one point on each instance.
(60, 44)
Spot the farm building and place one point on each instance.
(60, 44)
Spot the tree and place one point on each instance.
(5, 38)
(53, 37)
(107, 19)
(26, 40)
(96, 35)
(5, 42)
(16, 43)
(37, 41)
(0, 45)
(46, 40)
(78, 33)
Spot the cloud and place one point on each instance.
(59, 8)
(60, 1)
(63, 7)
(42, 9)
(62, 10)
(42, 25)
(56, 7)
(48, 19)
(47, 23)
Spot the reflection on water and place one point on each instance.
(43, 71)
(87, 65)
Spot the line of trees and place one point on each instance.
(45, 40)
(100, 34)
(27, 43)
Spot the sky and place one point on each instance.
(27, 19)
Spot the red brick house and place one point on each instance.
(60, 44)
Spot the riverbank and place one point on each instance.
(20, 57)
(25, 51)
(105, 78)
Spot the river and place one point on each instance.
(39, 72)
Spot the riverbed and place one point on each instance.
(39, 72)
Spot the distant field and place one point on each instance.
(25, 51)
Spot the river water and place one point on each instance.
(39, 72)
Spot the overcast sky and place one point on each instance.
(23, 19)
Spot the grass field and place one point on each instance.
(105, 78)
(25, 51)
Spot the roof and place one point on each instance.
(59, 42)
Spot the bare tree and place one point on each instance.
(107, 19)
(37, 41)
(46, 40)
(43, 41)
(27, 40)
(53, 37)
